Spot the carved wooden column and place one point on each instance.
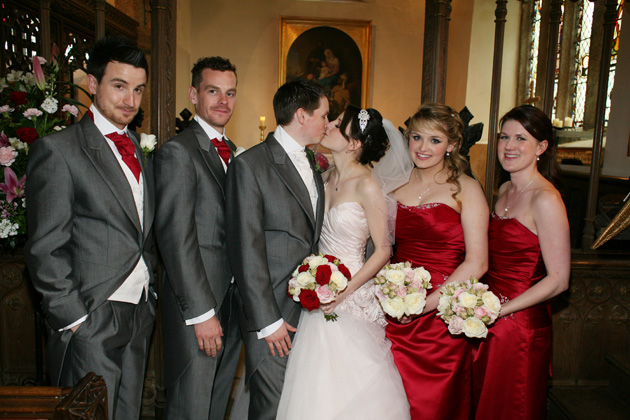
(497, 62)
(600, 112)
(555, 18)
(437, 16)
(566, 69)
(99, 11)
(163, 56)
(44, 27)
(163, 45)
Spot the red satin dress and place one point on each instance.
(511, 365)
(434, 365)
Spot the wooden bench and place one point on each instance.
(87, 400)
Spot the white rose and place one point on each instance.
(415, 303)
(147, 142)
(443, 304)
(394, 307)
(238, 151)
(467, 300)
(421, 274)
(339, 280)
(396, 276)
(474, 328)
(305, 280)
(491, 302)
(316, 261)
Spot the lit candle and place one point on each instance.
(262, 120)
(568, 122)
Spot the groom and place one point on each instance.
(276, 201)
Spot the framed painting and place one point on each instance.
(334, 52)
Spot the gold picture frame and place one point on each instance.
(334, 52)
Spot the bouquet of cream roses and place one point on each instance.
(402, 290)
(319, 279)
(468, 307)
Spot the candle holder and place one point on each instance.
(262, 132)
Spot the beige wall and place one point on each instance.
(246, 32)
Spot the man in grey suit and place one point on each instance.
(90, 248)
(275, 198)
(201, 333)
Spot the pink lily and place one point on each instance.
(55, 53)
(11, 186)
(40, 81)
(4, 141)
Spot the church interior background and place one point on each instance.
(570, 58)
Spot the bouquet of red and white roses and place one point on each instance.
(468, 307)
(402, 290)
(319, 279)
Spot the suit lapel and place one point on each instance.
(321, 198)
(147, 177)
(289, 175)
(209, 154)
(103, 159)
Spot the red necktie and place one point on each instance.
(127, 151)
(223, 149)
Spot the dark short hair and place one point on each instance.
(115, 48)
(538, 124)
(212, 63)
(296, 94)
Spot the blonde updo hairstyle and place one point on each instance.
(443, 118)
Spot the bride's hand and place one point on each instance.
(329, 308)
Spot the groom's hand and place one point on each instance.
(280, 340)
(209, 335)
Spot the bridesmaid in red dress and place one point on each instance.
(442, 225)
(530, 258)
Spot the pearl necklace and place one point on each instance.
(508, 204)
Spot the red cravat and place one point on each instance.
(224, 150)
(127, 150)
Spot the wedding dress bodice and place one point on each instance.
(344, 235)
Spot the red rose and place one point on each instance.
(18, 98)
(303, 268)
(309, 299)
(344, 270)
(330, 258)
(323, 274)
(27, 134)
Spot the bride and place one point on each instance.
(344, 369)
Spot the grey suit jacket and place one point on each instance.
(272, 229)
(190, 231)
(85, 237)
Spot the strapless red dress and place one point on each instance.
(434, 365)
(511, 365)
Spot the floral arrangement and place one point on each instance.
(468, 307)
(402, 290)
(320, 161)
(147, 143)
(33, 104)
(319, 279)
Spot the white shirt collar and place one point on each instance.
(287, 142)
(209, 130)
(103, 124)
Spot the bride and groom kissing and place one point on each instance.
(281, 212)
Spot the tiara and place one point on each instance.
(363, 119)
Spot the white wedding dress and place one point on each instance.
(344, 369)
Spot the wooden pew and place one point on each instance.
(87, 400)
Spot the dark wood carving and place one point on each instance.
(87, 400)
(555, 18)
(591, 320)
(437, 17)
